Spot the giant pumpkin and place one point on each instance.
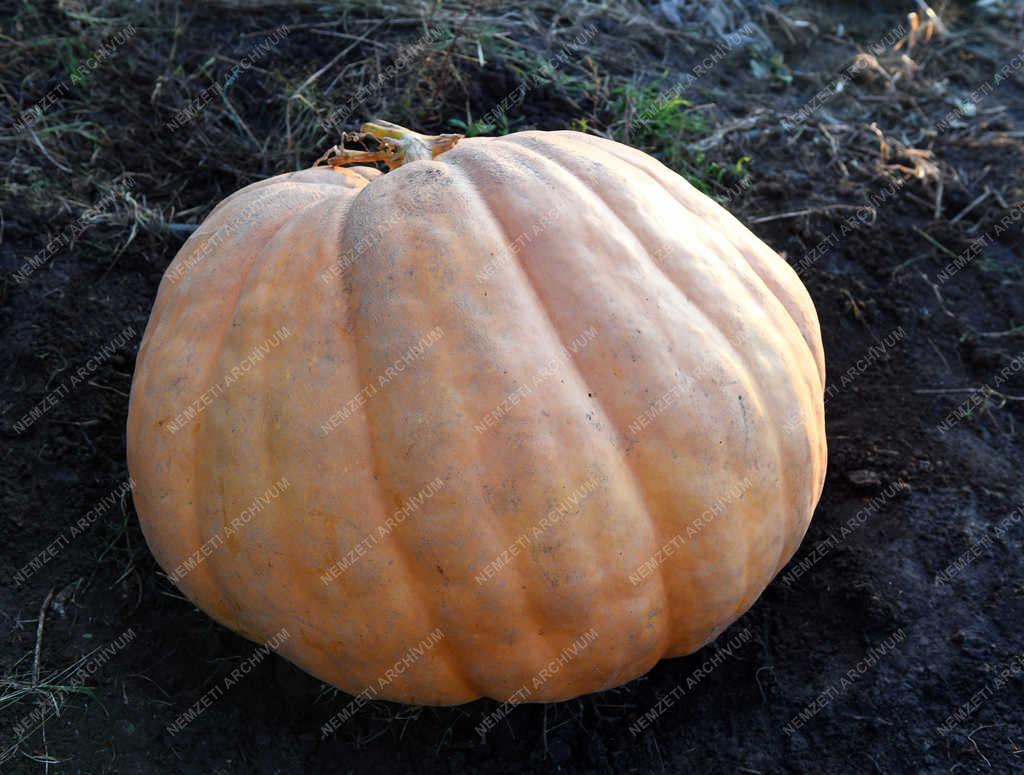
(517, 418)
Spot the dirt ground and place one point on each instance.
(891, 179)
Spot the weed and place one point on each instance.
(666, 125)
(474, 128)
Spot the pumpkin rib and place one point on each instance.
(160, 327)
(363, 172)
(741, 362)
(319, 177)
(531, 287)
(657, 528)
(334, 211)
(768, 286)
(494, 526)
(420, 180)
(719, 211)
(773, 289)
(781, 468)
(454, 659)
(182, 286)
(753, 387)
(787, 302)
(309, 262)
(219, 580)
(334, 222)
(632, 475)
(787, 507)
(785, 551)
(161, 306)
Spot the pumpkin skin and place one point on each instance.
(512, 248)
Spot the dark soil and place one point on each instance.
(893, 642)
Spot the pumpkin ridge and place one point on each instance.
(741, 359)
(197, 522)
(301, 177)
(466, 178)
(494, 526)
(628, 474)
(755, 390)
(454, 659)
(739, 250)
(278, 462)
(159, 310)
(656, 527)
(361, 172)
(164, 307)
(495, 530)
(743, 365)
(619, 436)
(784, 487)
(260, 193)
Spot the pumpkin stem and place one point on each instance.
(396, 146)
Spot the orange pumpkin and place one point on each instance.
(516, 419)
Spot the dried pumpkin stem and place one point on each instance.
(396, 146)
